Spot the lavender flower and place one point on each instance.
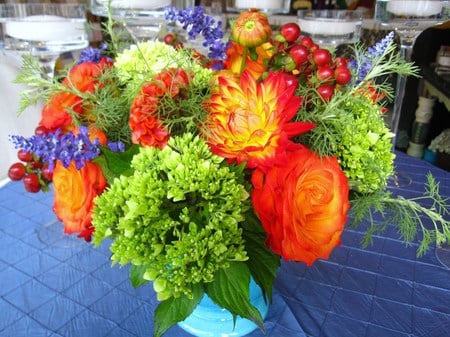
(91, 54)
(195, 22)
(116, 146)
(63, 147)
(363, 63)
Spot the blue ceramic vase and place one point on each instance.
(210, 320)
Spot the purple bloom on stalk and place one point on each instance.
(116, 146)
(91, 54)
(63, 147)
(195, 22)
(363, 63)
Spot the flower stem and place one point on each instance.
(244, 60)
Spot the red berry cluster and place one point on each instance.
(35, 174)
(301, 56)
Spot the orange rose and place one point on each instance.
(302, 202)
(55, 114)
(74, 193)
(84, 78)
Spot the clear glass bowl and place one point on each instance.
(330, 28)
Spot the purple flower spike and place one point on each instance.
(63, 147)
(196, 22)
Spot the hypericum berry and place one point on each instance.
(290, 80)
(41, 130)
(314, 47)
(27, 157)
(340, 61)
(325, 72)
(290, 31)
(170, 39)
(307, 42)
(326, 91)
(16, 171)
(321, 57)
(299, 54)
(46, 173)
(342, 75)
(35, 164)
(31, 183)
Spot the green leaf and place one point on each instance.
(114, 164)
(174, 310)
(253, 54)
(263, 262)
(137, 275)
(230, 290)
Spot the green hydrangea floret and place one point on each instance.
(145, 59)
(178, 215)
(365, 150)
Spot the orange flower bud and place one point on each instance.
(251, 29)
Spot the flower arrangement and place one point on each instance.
(205, 170)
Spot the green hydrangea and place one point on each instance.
(148, 58)
(365, 149)
(178, 215)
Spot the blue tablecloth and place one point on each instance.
(56, 286)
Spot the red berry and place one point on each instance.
(342, 75)
(41, 130)
(307, 42)
(291, 80)
(31, 183)
(46, 173)
(25, 156)
(35, 165)
(290, 31)
(326, 91)
(340, 61)
(169, 39)
(299, 54)
(321, 57)
(16, 171)
(314, 47)
(325, 73)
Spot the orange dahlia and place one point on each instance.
(249, 120)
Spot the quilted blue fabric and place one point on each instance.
(55, 285)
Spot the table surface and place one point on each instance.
(53, 285)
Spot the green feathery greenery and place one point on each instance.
(409, 216)
(39, 86)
